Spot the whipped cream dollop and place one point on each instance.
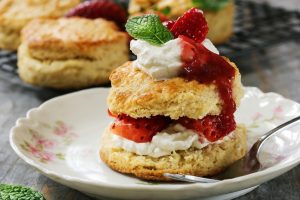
(162, 62)
(174, 138)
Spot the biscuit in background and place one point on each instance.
(70, 53)
(15, 14)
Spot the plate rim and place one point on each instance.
(160, 187)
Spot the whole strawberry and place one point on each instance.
(106, 9)
(192, 24)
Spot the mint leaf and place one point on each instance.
(12, 192)
(148, 28)
(212, 5)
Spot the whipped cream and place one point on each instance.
(176, 137)
(162, 62)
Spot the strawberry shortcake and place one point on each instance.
(173, 107)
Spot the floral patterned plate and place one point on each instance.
(61, 139)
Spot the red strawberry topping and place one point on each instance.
(206, 67)
(139, 130)
(192, 24)
(106, 9)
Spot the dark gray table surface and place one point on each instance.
(275, 69)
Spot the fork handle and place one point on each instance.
(189, 178)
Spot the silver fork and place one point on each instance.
(246, 165)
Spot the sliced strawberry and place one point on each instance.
(106, 9)
(212, 127)
(139, 130)
(192, 24)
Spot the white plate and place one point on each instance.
(61, 139)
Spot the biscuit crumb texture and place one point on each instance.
(15, 14)
(208, 161)
(137, 94)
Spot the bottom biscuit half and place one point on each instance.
(208, 161)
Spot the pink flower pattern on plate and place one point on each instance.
(278, 111)
(258, 117)
(44, 149)
(61, 129)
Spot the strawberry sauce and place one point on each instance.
(206, 67)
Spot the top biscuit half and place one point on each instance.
(137, 94)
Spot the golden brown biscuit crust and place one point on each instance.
(136, 94)
(70, 53)
(204, 162)
(68, 38)
(15, 14)
(220, 23)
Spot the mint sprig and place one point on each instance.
(210, 5)
(11, 192)
(148, 28)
